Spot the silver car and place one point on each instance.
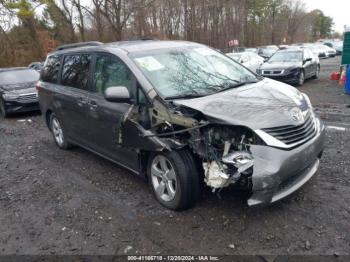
(182, 115)
(249, 59)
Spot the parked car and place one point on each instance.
(238, 49)
(36, 66)
(291, 66)
(318, 51)
(17, 90)
(330, 52)
(250, 60)
(182, 115)
(267, 51)
(251, 49)
(336, 45)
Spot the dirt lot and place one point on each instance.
(73, 202)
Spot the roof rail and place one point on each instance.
(141, 38)
(76, 45)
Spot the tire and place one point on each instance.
(58, 132)
(317, 74)
(174, 179)
(3, 111)
(301, 78)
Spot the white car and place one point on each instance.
(249, 59)
(328, 51)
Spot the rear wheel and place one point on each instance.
(58, 132)
(174, 179)
(3, 110)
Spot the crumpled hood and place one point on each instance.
(280, 65)
(265, 104)
(19, 88)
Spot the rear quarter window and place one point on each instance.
(51, 69)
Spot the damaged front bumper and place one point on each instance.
(278, 173)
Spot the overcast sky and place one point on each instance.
(339, 10)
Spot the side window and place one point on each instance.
(51, 68)
(306, 54)
(111, 71)
(75, 71)
(311, 55)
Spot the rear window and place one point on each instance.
(18, 76)
(51, 68)
(75, 72)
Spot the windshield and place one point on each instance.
(191, 71)
(286, 57)
(18, 77)
(266, 52)
(235, 56)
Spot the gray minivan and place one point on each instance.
(182, 115)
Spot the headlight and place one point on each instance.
(294, 70)
(307, 99)
(10, 96)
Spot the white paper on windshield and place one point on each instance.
(204, 51)
(221, 68)
(149, 63)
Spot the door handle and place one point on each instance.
(81, 101)
(93, 105)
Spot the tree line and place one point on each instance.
(27, 27)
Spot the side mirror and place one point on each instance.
(307, 60)
(118, 94)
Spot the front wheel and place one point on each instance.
(317, 73)
(301, 78)
(174, 179)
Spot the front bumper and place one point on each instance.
(16, 106)
(289, 78)
(278, 173)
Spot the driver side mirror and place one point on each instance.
(117, 94)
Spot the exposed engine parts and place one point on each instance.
(227, 158)
(223, 150)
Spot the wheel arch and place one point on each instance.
(48, 114)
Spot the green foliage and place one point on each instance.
(23, 8)
(322, 25)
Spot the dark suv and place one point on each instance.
(182, 115)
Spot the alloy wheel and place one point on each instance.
(163, 178)
(301, 78)
(57, 131)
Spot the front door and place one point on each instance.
(104, 117)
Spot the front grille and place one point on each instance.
(294, 135)
(272, 72)
(28, 98)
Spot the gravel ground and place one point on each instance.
(73, 202)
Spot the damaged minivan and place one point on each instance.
(182, 115)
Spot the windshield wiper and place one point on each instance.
(187, 96)
(239, 84)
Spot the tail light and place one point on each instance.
(37, 87)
